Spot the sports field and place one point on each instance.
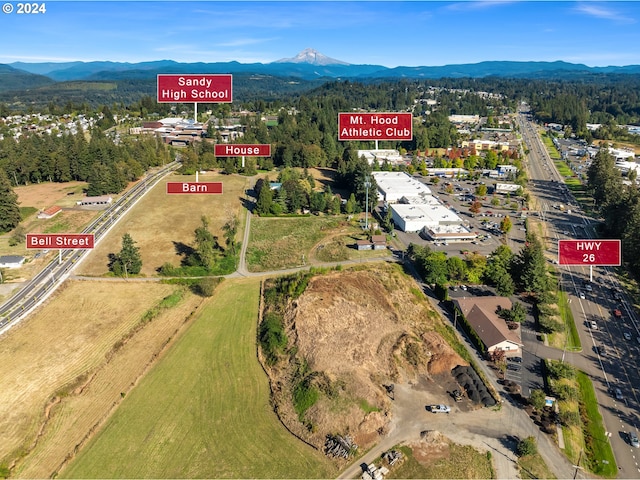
(203, 411)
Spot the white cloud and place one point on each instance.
(480, 5)
(603, 12)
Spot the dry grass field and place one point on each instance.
(59, 373)
(45, 195)
(204, 411)
(159, 222)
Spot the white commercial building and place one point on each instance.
(392, 186)
(414, 217)
(415, 209)
(390, 156)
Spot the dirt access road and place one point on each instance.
(486, 429)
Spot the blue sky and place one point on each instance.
(389, 33)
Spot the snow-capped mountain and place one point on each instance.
(312, 57)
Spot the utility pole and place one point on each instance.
(367, 186)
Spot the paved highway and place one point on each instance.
(51, 276)
(591, 297)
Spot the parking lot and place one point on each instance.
(458, 195)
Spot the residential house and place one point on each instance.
(481, 315)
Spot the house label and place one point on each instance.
(78, 241)
(598, 252)
(194, 187)
(207, 88)
(238, 150)
(375, 126)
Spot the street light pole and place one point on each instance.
(367, 185)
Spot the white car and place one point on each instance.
(582, 295)
(593, 325)
(440, 409)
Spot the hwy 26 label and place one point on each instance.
(194, 187)
(603, 253)
(375, 126)
(75, 241)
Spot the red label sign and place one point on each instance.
(76, 241)
(601, 253)
(194, 187)
(207, 88)
(375, 126)
(236, 150)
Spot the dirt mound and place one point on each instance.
(357, 331)
(432, 446)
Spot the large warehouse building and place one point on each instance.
(415, 209)
(393, 186)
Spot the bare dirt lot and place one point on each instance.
(161, 223)
(67, 366)
(45, 195)
(358, 330)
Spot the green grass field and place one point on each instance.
(203, 411)
(598, 447)
(568, 337)
(277, 243)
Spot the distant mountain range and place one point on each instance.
(307, 66)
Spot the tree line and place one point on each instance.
(619, 204)
(106, 165)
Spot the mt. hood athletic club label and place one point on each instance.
(375, 126)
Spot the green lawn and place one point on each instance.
(598, 448)
(551, 148)
(203, 411)
(569, 336)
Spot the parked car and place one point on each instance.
(582, 295)
(514, 359)
(513, 366)
(618, 394)
(439, 409)
(617, 313)
(626, 335)
(633, 439)
(601, 350)
(593, 325)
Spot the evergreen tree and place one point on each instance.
(128, 261)
(532, 268)
(605, 180)
(9, 211)
(265, 200)
(205, 245)
(230, 229)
